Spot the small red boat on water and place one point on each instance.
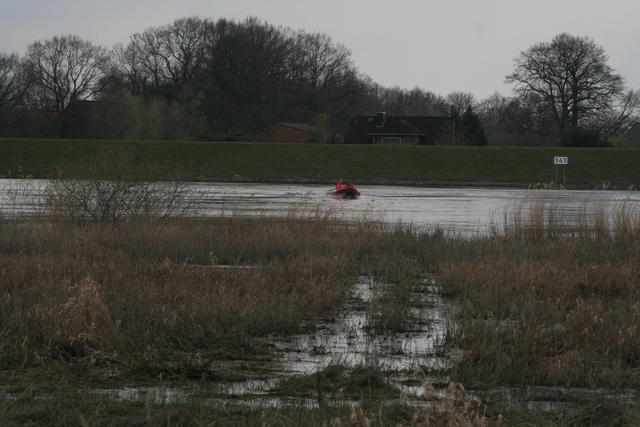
(345, 191)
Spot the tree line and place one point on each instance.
(202, 79)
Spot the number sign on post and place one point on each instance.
(561, 161)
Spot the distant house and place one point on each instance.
(288, 132)
(396, 130)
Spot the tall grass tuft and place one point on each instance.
(546, 301)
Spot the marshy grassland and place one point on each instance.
(177, 301)
(142, 302)
(544, 303)
(148, 301)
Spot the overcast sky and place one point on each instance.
(442, 46)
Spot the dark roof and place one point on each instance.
(426, 127)
(428, 123)
(300, 126)
(395, 126)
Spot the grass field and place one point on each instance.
(365, 164)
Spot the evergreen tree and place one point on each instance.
(472, 128)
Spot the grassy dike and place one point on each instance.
(365, 164)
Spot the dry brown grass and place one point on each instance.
(154, 291)
(543, 300)
(548, 302)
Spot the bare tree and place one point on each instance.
(200, 78)
(459, 102)
(165, 57)
(318, 61)
(13, 86)
(570, 77)
(500, 113)
(322, 73)
(424, 103)
(248, 77)
(65, 69)
(494, 110)
(414, 102)
(625, 113)
(131, 67)
(13, 83)
(183, 47)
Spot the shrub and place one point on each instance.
(114, 184)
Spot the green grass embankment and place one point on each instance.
(363, 164)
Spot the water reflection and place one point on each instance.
(349, 340)
(462, 210)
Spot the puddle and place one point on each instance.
(248, 387)
(552, 399)
(349, 340)
(280, 402)
(346, 339)
(156, 395)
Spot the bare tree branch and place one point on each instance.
(65, 69)
(572, 79)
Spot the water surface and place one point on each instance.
(463, 210)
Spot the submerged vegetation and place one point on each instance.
(542, 301)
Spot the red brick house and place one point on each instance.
(288, 132)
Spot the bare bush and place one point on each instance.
(113, 185)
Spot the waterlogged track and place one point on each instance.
(411, 364)
(351, 340)
(347, 341)
(462, 210)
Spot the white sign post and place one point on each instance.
(562, 161)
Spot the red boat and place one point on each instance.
(345, 191)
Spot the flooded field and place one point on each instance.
(340, 344)
(412, 366)
(461, 210)
(300, 312)
(350, 338)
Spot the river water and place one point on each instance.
(461, 210)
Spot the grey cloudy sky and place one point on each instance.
(442, 46)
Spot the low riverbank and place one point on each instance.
(432, 166)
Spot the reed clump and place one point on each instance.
(551, 302)
(390, 311)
